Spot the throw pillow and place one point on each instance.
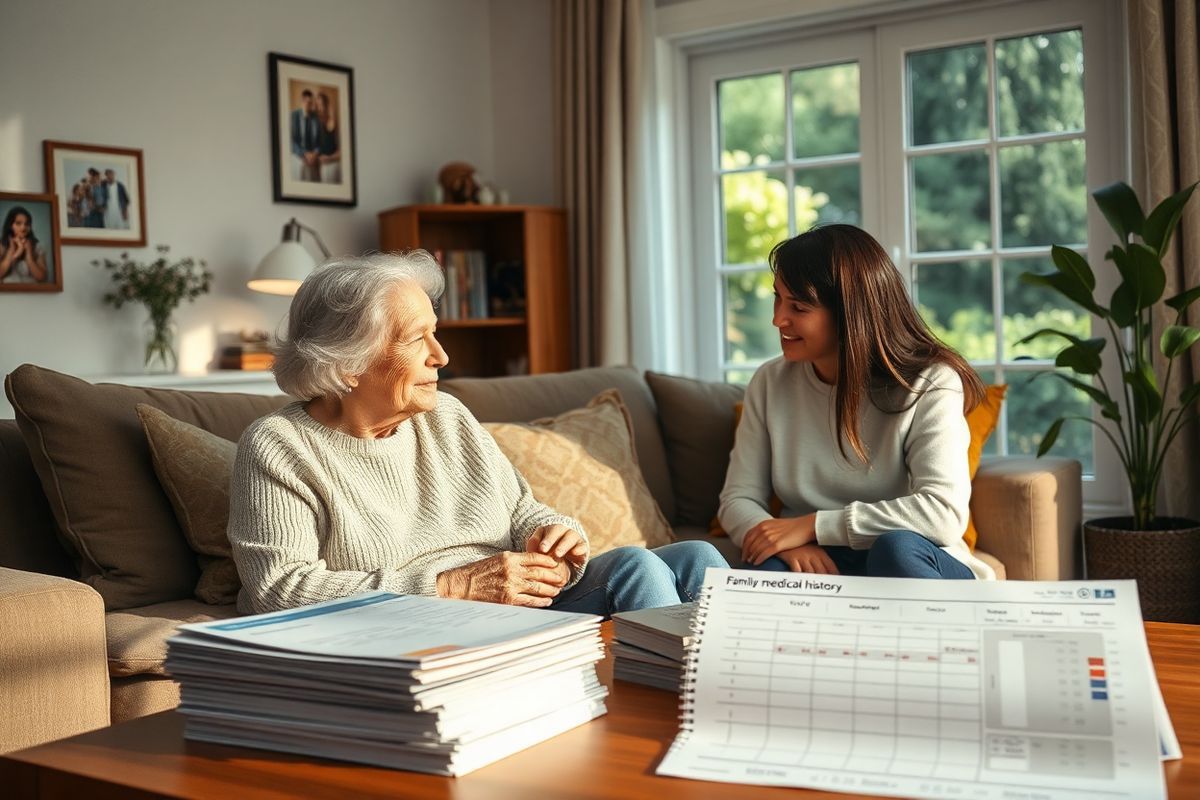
(695, 420)
(194, 468)
(92, 458)
(582, 463)
(981, 421)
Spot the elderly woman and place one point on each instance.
(375, 480)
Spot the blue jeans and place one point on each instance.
(629, 578)
(895, 554)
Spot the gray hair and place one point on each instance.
(342, 317)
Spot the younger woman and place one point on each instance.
(858, 427)
(22, 259)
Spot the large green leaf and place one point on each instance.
(1050, 438)
(1147, 399)
(1184, 299)
(1070, 262)
(1121, 208)
(1177, 339)
(1161, 223)
(1142, 284)
(1108, 406)
(1083, 357)
(1069, 287)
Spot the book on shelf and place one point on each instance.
(649, 645)
(466, 292)
(401, 681)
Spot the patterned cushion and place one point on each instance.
(582, 463)
(194, 468)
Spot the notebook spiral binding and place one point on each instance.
(687, 695)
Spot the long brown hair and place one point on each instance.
(883, 344)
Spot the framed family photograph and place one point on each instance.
(30, 259)
(101, 193)
(312, 131)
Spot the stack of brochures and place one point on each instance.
(418, 683)
(649, 645)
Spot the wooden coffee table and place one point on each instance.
(614, 756)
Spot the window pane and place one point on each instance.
(750, 111)
(952, 202)
(741, 376)
(749, 306)
(956, 301)
(1039, 82)
(825, 110)
(1032, 406)
(948, 95)
(756, 215)
(827, 194)
(1043, 194)
(992, 446)
(1029, 308)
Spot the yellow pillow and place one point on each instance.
(981, 421)
(582, 463)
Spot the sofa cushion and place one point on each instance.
(137, 637)
(194, 468)
(529, 397)
(582, 463)
(27, 536)
(698, 428)
(90, 452)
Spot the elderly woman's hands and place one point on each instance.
(515, 579)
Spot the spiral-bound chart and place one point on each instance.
(920, 688)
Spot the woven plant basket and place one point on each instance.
(1165, 564)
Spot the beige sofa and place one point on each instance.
(71, 665)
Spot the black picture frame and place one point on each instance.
(313, 152)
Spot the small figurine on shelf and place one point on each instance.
(458, 182)
(486, 196)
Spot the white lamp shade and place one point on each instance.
(282, 270)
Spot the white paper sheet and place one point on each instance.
(921, 688)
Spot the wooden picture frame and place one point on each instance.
(83, 176)
(313, 154)
(41, 213)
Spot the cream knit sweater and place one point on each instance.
(316, 514)
(917, 478)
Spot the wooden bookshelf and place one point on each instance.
(535, 236)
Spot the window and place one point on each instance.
(966, 142)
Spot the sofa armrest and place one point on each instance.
(52, 657)
(1028, 512)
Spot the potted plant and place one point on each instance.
(1162, 553)
(160, 286)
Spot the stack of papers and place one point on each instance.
(649, 645)
(419, 683)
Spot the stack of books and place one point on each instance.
(649, 645)
(466, 294)
(401, 681)
(246, 356)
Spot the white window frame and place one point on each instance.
(684, 115)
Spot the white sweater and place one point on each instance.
(917, 477)
(316, 514)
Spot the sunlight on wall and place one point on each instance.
(197, 347)
(10, 155)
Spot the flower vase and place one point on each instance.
(161, 334)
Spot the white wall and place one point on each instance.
(186, 82)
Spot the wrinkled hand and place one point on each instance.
(14, 248)
(515, 579)
(772, 536)
(809, 558)
(559, 541)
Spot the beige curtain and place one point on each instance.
(1166, 126)
(598, 78)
